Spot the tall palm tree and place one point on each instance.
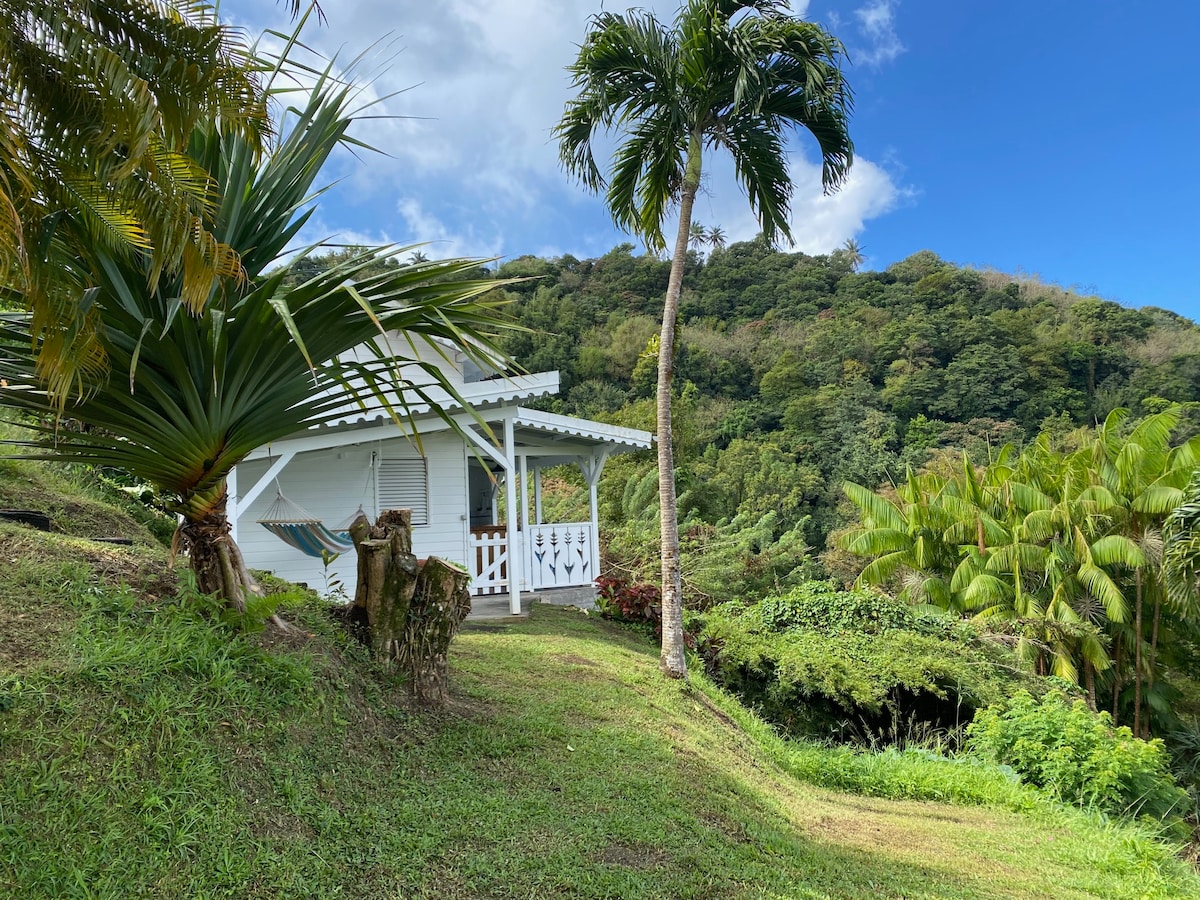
(853, 253)
(697, 236)
(190, 394)
(716, 237)
(1145, 478)
(725, 75)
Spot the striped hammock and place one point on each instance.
(292, 524)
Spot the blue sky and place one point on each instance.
(1051, 138)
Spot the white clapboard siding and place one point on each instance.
(332, 484)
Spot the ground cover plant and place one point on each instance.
(147, 750)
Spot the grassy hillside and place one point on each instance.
(146, 752)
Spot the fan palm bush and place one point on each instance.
(189, 394)
(1062, 550)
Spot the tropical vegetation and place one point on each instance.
(1062, 549)
(189, 394)
(99, 105)
(1004, 476)
(148, 750)
(724, 75)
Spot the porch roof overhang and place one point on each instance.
(548, 439)
(478, 395)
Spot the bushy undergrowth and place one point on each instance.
(1077, 756)
(857, 667)
(618, 599)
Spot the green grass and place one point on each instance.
(79, 502)
(146, 752)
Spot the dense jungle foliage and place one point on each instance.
(797, 373)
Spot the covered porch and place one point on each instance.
(512, 549)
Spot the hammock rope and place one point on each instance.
(294, 525)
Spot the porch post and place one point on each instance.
(511, 526)
(591, 472)
(524, 494)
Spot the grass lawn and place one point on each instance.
(146, 752)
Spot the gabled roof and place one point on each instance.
(479, 395)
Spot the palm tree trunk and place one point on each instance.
(673, 662)
(1117, 653)
(215, 558)
(1153, 655)
(1137, 656)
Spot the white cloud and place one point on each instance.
(472, 165)
(445, 241)
(877, 24)
(819, 223)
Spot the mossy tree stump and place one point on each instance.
(411, 608)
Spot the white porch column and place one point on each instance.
(592, 470)
(524, 495)
(514, 537)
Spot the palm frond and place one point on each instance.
(877, 511)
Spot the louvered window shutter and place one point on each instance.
(404, 484)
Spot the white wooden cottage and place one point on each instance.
(452, 482)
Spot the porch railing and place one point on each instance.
(488, 559)
(559, 555)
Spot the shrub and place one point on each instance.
(821, 605)
(856, 667)
(618, 599)
(1077, 756)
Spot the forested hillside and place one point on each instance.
(797, 372)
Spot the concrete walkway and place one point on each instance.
(491, 607)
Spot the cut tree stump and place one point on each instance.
(410, 609)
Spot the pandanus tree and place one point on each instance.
(725, 75)
(189, 394)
